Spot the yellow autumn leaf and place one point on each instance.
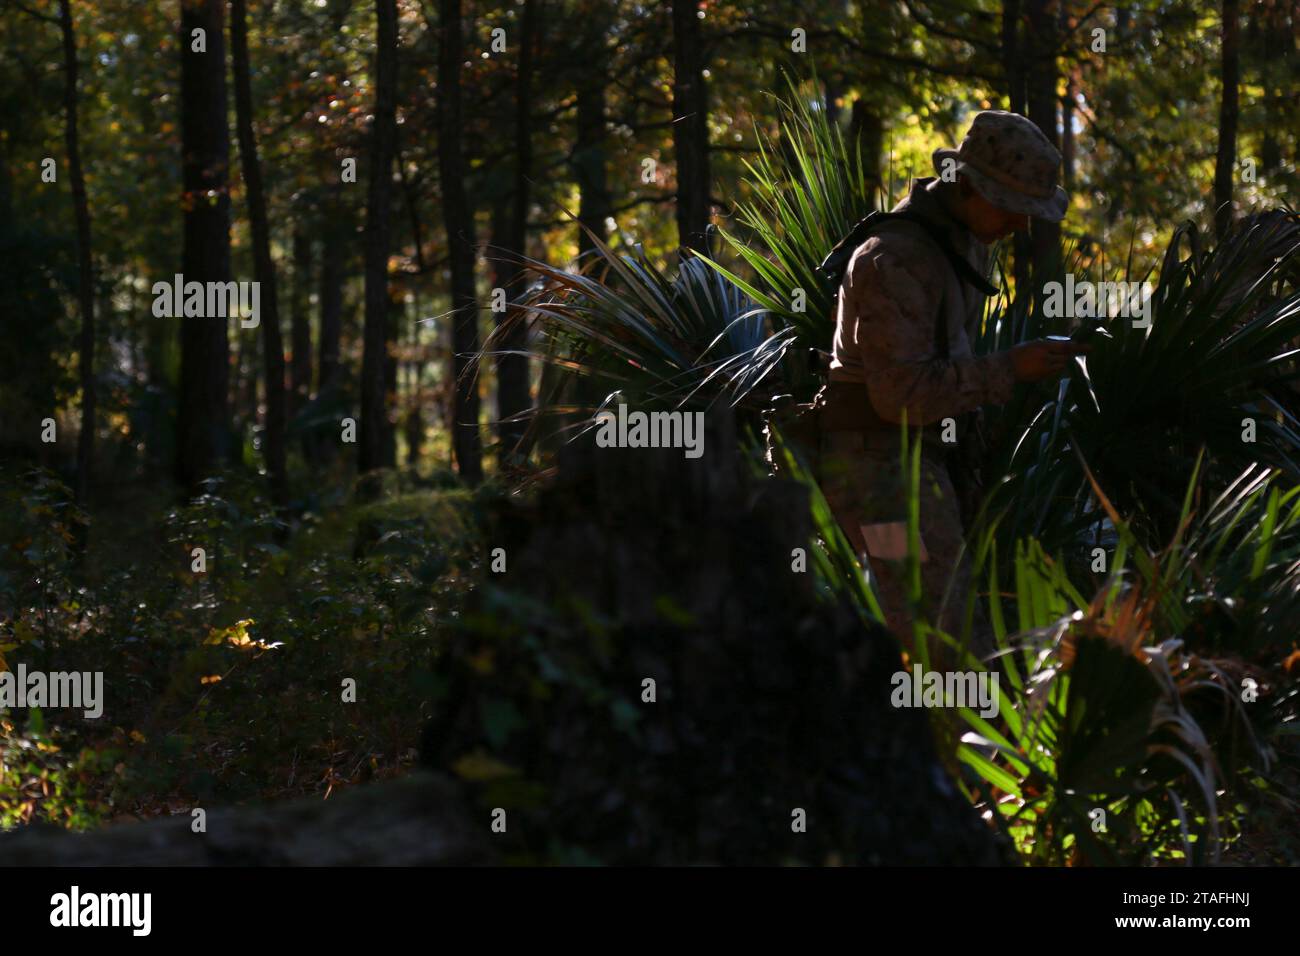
(478, 766)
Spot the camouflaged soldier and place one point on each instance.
(905, 319)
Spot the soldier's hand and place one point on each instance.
(1043, 358)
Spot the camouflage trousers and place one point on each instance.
(864, 485)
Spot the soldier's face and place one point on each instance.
(988, 222)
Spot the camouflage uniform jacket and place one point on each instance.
(885, 320)
(893, 289)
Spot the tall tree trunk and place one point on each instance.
(867, 135)
(1068, 148)
(1065, 27)
(1226, 160)
(414, 422)
(392, 330)
(690, 128)
(85, 268)
(374, 412)
(1279, 38)
(263, 267)
(459, 220)
(1013, 67)
(245, 387)
(203, 438)
(513, 398)
(1013, 64)
(300, 334)
(589, 163)
(333, 267)
(1042, 102)
(833, 92)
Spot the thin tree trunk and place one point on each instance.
(1065, 24)
(513, 397)
(300, 334)
(459, 221)
(690, 128)
(332, 275)
(203, 438)
(1279, 37)
(374, 412)
(1013, 66)
(867, 135)
(263, 267)
(392, 331)
(85, 267)
(833, 90)
(1226, 160)
(1042, 101)
(590, 162)
(1067, 132)
(246, 385)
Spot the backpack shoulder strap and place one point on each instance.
(965, 271)
(837, 260)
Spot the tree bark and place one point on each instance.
(690, 128)
(513, 397)
(374, 412)
(459, 221)
(1042, 102)
(85, 266)
(300, 327)
(1068, 148)
(1226, 160)
(1277, 74)
(203, 439)
(1065, 24)
(867, 135)
(273, 450)
(392, 330)
(1013, 66)
(589, 165)
(332, 269)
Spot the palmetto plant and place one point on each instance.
(1241, 566)
(1114, 740)
(707, 333)
(1211, 370)
(624, 327)
(809, 189)
(1097, 755)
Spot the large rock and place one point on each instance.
(416, 821)
(638, 565)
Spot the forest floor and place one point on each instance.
(291, 666)
(229, 686)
